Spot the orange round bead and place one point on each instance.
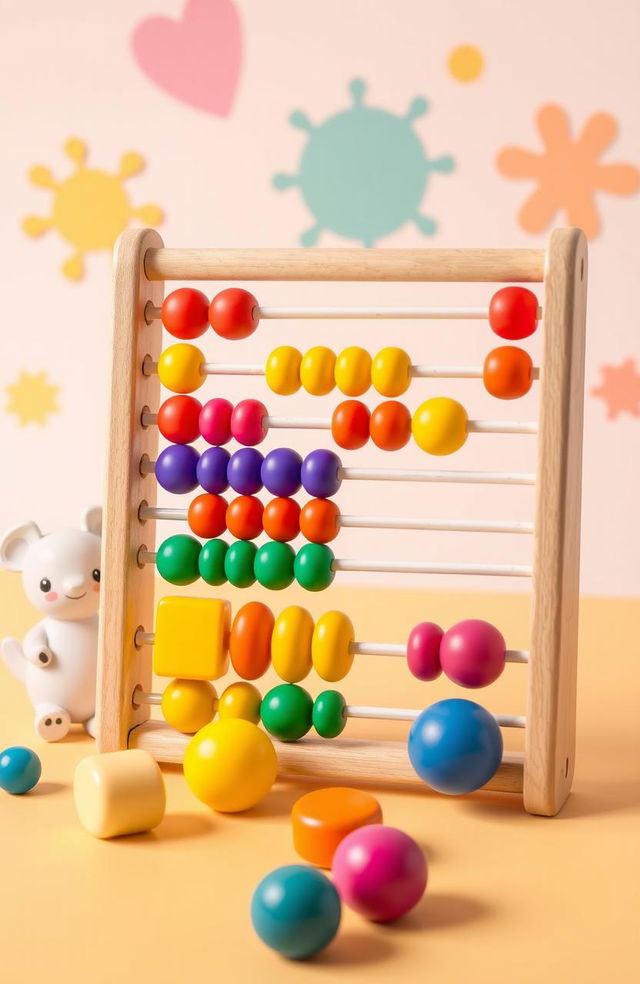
(250, 640)
(350, 425)
(319, 520)
(244, 517)
(281, 519)
(507, 372)
(390, 425)
(207, 516)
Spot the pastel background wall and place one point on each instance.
(184, 109)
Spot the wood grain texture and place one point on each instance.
(127, 594)
(368, 762)
(400, 265)
(551, 710)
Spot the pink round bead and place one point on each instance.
(247, 422)
(472, 653)
(423, 651)
(215, 421)
(380, 872)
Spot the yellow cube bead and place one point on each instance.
(439, 425)
(180, 368)
(353, 371)
(291, 644)
(187, 705)
(192, 638)
(119, 793)
(331, 653)
(241, 700)
(317, 370)
(282, 370)
(390, 371)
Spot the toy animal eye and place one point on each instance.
(96, 575)
(45, 584)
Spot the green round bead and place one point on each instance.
(211, 562)
(286, 712)
(273, 565)
(238, 563)
(312, 566)
(329, 714)
(177, 559)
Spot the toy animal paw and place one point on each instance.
(52, 723)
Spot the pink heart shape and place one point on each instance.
(197, 60)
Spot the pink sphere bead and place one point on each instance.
(380, 872)
(423, 651)
(215, 421)
(247, 422)
(472, 653)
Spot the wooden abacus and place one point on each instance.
(543, 774)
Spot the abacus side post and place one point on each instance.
(551, 711)
(127, 595)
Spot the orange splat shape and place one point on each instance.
(620, 389)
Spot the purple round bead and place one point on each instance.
(243, 471)
(212, 470)
(319, 473)
(281, 471)
(176, 468)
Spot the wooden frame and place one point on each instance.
(544, 772)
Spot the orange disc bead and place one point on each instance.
(244, 517)
(207, 516)
(507, 372)
(250, 640)
(281, 519)
(350, 425)
(390, 425)
(319, 520)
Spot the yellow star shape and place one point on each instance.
(32, 398)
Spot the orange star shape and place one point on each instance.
(620, 389)
(568, 172)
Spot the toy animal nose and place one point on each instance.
(74, 587)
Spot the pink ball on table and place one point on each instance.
(423, 651)
(380, 872)
(247, 422)
(215, 421)
(472, 653)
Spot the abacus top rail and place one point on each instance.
(399, 265)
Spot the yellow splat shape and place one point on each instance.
(32, 398)
(91, 207)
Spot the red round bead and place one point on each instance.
(281, 519)
(350, 425)
(247, 424)
(179, 419)
(244, 517)
(185, 313)
(215, 421)
(207, 516)
(231, 313)
(390, 425)
(513, 312)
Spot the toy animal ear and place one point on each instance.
(15, 544)
(92, 520)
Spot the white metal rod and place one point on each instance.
(410, 714)
(451, 477)
(279, 313)
(408, 567)
(473, 426)
(416, 372)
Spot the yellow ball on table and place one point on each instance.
(439, 425)
(188, 705)
(180, 368)
(240, 700)
(230, 765)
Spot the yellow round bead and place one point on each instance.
(282, 371)
(390, 371)
(353, 371)
(331, 646)
(240, 700)
(291, 644)
(317, 370)
(187, 705)
(439, 425)
(230, 765)
(180, 368)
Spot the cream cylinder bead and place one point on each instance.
(119, 793)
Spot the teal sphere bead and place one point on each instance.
(238, 563)
(211, 562)
(177, 559)
(20, 770)
(329, 714)
(273, 565)
(296, 911)
(313, 566)
(286, 712)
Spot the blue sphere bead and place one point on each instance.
(176, 468)
(212, 470)
(281, 472)
(320, 473)
(455, 746)
(296, 911)
(20, 770)
(243, 471)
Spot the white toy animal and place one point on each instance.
(57, 660)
